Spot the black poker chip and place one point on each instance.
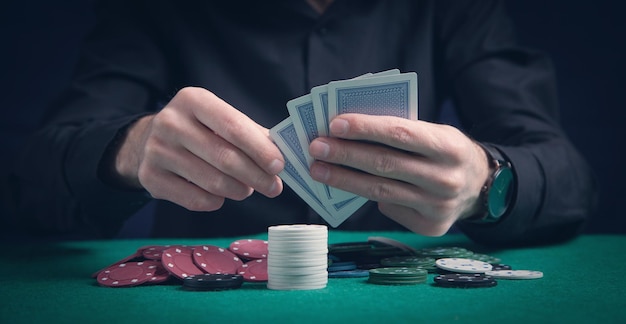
(465, 280)
(500, 266)
(212, 282)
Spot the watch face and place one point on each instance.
(500, 192)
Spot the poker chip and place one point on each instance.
(249, 249)
(349, 247)
(385, 241)
(254, 271)
(178, 261)
(397, 276)
(217, 260)
(356, 273)
(127, 274)
(408, 261)
(444, 252)
(485, 258)
(297, 257)
(212, 282)
(462, 280)
(515, 274)
(129, 258)
(500, 266)
(154, 252)
(341, 266)
(463, 265)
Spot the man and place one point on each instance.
(174, 101)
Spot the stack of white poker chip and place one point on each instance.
(298, 257)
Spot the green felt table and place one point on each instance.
(584, 282)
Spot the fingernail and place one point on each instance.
(276, 166)
(339, 126)
(319, 172)
(319, 149)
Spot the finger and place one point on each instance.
(239, 130)
(169, 186)
(230, 160)
(188, 166)
(378, 160)
(409, 135)
(364, 184)
(413, 220)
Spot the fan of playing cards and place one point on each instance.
(388, 93)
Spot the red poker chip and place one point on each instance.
(249, 249)
(129, 258)
(254, 271)
(178, 261)
(154, 252)
(216, 260)
(127, 274)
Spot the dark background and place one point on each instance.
(586, 39)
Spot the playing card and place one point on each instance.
(394, 95)
(319, 98)
(389, 95)
(301, 111)
(299, 182)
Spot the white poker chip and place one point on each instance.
(515, 274)
(463, 265)
(297, 257)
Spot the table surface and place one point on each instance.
(584, 281)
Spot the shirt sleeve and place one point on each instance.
(118, 79)
(506, 96)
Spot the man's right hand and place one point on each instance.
(199, 150)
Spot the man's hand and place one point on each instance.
(198, 151)
(424, 176)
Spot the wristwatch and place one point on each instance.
(497, 193)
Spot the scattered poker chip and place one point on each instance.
(463, 265)
(463, 280)
(127, 274)
(408, 261)
(249, 249)
(356, 273)
(160, 275)
(444, 252)
(132, 257)
(485, 258)
(212, 282)
(216, 260)
(515, 274)
(385, 241)
(397, 276)
(254, 271)
(342, 266)
(178, 261)
(500, 266)
(349, 247)
(154, 252)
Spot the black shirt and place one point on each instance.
(256, 56)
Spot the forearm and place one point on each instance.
(554, 196)
(64, 159)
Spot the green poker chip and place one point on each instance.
(408, 261)
(397, 276)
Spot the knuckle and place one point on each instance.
(224, 155)
(203, 203)
(379, 191)
(401, 134)
(451, 183)
(384, 164)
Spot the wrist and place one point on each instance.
(120, 163)
(496, 193)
